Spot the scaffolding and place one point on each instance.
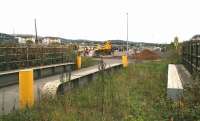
(32, 56)
(191, 55)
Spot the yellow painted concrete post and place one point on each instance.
(26, 88)
(124, 60)
(78, 61)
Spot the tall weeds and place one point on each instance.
(136, 93)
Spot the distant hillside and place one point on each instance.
(138, 44)
(10, 37)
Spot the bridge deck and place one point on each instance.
(8, 78)
(9, 95)
(34, 68)
(53, 86)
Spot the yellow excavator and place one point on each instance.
(105, 49)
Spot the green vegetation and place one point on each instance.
(173, 55)
(137, 93)
(191, 108)
(88, 61)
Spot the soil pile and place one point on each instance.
(146, 54)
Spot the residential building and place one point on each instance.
(49, 40)
(6, 38)
(23, 38)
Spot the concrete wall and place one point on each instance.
(83, 80)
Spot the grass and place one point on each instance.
(88, 61)
(191, 109)
(137, 93)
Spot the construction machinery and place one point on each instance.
(104, 49)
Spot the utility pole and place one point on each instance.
(13, 31)
(127, 35)
(36, 38)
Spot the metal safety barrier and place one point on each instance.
(191, 55)
(59, 86)
(11, 77)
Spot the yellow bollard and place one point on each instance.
(26, 88)
(124, 60)
(78, 62)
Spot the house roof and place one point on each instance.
(25, 35)
(52, 37)
(196, 37)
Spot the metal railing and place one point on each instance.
(25, 56)
(191, 55)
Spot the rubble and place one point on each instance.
(146, 54)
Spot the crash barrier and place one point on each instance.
(73, 80)
(11, 77)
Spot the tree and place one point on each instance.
(176, 42)
(29, 42)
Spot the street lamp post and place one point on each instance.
(36, 37)
(127, 35)
(125, 56)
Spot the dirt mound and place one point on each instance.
(146, 54)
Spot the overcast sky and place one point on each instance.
(149, 20)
